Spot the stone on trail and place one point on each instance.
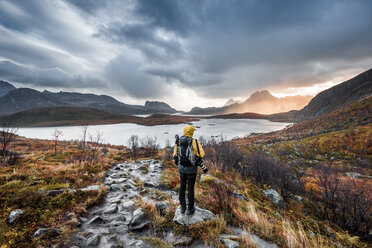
(91, 188)
(14, 216)
(199, 215)
(275, 197)
(116, 187)
(230, 243)
(111, 209)
(162, 208)
(96, 220)
(139, 220)
(128, 205)
(94, 240)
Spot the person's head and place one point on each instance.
(188, 131)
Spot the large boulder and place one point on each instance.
(199, 215)
(275, 197)
(139, 220)
(14, 216)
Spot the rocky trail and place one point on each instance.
(117, 223)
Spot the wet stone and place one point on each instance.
(93, 241)
(128, 205)
(113, 208)
(97, 220)
(116, 187)
(139, 220)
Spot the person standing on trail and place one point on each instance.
(188, 154)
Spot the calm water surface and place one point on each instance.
(118, 134)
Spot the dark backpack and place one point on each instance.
(186, 155)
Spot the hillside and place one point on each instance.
(261, 102)
(337, 96)
(71, 116)
(24, 98)
(5, 87)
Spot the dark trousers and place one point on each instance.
(188, 179)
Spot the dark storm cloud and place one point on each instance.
(45, 77)
(217, 48)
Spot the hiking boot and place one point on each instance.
(190, 211)
(183, 209)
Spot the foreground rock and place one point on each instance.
(14, 216)
(199, 215)
(91, 188)
(49, 231)
(275, 197)
(139, 220)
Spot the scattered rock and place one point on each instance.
(139, 220)
(149, 184)
(94, 240)
(275, 197)
(116, 187)
(97, 220)
(229, 243)
(206, 178)
(199, 215)
(238, 195)
(162, 207)
(91, 188)
(115, 199)
(297, 198)
(111, 209)
(353, 174)
(128, 205)
(49, 231)
(182, 241)
(14, 216)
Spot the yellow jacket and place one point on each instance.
(189, 132)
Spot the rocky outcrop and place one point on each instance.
(275, 197)
(199, 216)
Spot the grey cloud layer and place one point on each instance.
(218, 48)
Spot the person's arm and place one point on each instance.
(199, 152)
(175, 155)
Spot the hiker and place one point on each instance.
(188, 154)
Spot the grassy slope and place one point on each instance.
(67, 116)
(40, 169)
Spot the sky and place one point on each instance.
(188, 52)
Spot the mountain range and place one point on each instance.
(261, 102)
(337, 96)
(13, 100)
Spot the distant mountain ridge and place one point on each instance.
(5, 87)
(338, 96)
(15, 100)
(261, 102)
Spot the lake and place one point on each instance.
(118, 134)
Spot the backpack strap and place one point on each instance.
(197, 146)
